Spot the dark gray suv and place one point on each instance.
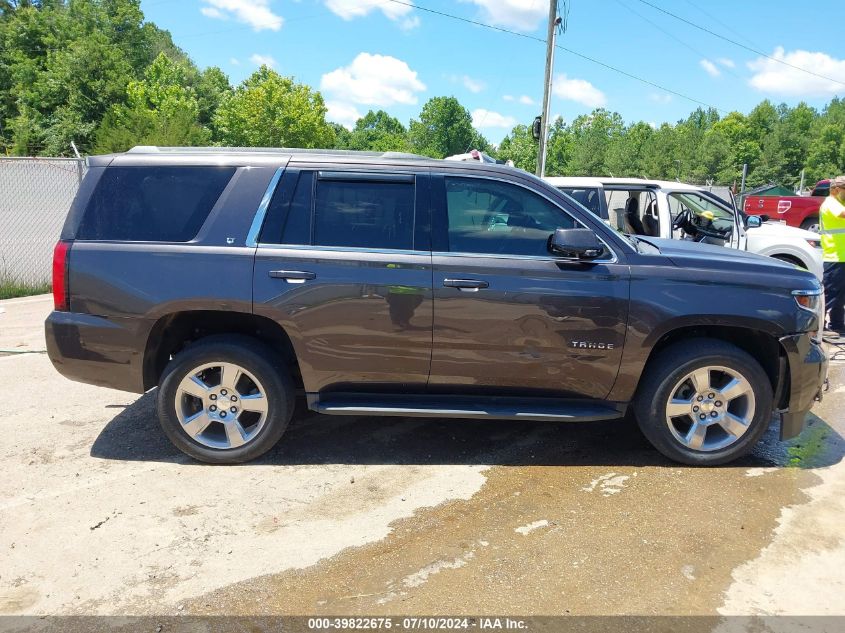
(389, 284)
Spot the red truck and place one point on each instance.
(800, 211)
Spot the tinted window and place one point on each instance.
(492, 217)
(288, 218)
(152, 204)
(364, 214)
(822, 190)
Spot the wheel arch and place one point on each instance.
(174, 332)
(763, 346)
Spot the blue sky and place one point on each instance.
(371, 54)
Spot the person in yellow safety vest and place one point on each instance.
(832, 229)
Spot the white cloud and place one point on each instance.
(234, 61)
(374, 80)
(710, 67)
(726, 62)
(473, 85)
(526, 100)
(509, 98)
(262, 60)
(775, 78)
(409, 24)
(211, 12)
(256, 13)
(351, 9)
(344, 113)
(578, 90)
(482, 118)
(660, 97)
(522, 15)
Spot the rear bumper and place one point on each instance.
(95, 350)
(807, 364)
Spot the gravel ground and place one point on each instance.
(100, 515)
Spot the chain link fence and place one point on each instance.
(35, 195)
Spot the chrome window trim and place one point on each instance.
(340, 249)
(612, 260)
(261, 212)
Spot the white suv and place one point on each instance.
(675, 210)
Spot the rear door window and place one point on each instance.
(152, 204)
(361, 213)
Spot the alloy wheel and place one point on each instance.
(221, 405)
(710, 408)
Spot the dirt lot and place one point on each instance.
(99, 515)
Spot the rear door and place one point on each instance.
(343, 263)
(510, 318)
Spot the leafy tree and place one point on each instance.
(161, 109)
(269, 110)
(444, 129)
(212, 86)
(594, 134)
(520, 147)
(379, 132)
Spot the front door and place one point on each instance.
(510, 318)
(344, 266)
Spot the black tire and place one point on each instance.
(810, 224)
(248, 354)
(670, 366)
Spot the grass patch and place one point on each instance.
(10, 289)
(813, 442)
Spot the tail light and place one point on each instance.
(784, 206)
(61, 299)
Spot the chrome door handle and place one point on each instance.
(293, 276)
(467, 285)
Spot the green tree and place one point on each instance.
(269, 110)
(444, 129)
(520, 147)
(161, 109)
(594, 134)
(64, 64)
(379, 132)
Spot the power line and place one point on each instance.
(645, 81)
(563, 48)
(468, 21)
(674, 37)
(740, 44)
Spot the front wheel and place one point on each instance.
(704, 402)
(225, 400)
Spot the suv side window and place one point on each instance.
(152, 204)
(364, 213)
(498, 218)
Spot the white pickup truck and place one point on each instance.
(675, 210)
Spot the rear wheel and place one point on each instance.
(704, 402)
(225, 400)
(811, 224)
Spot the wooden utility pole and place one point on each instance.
(554, 20)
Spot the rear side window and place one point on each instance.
(152, 204)
(364, 214)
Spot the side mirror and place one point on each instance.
(753, 222)
(576, 244)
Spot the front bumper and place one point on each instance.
(807, 377)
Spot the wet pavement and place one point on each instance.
(403, 516)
